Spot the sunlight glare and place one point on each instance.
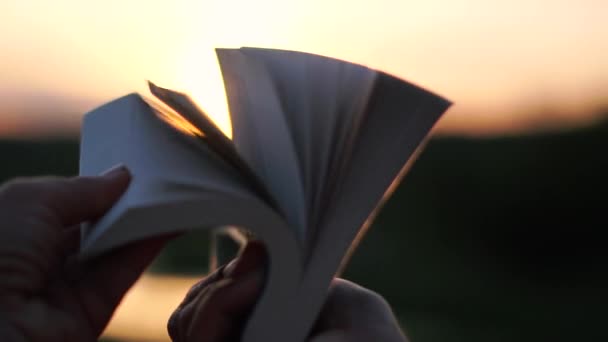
(178, 122)
(199, 74)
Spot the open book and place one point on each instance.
(318, 144)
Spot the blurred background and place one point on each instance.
(497, 232)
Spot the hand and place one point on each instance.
(45, 293)
(216, 309)
(355, 314)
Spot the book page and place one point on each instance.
(398, 118)
(323, 100)
(261, 134)
(186, 115)
(165, 164)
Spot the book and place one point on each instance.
(318, 145)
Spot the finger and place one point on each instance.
(217, 275)
(331, 336)
(105, 280)
(350, 307)
(81, 199)
(251, 260)
(68, 201)
(195, 290)
(70, 242)
(220, 313)
(181, 318)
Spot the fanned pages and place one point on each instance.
(323, 101)
(166, 166)
(319, 144)
(186, 110)
(261, 134)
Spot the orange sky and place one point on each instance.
(494, 59)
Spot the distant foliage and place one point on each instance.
(22, 158)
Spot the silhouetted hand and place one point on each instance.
(355, 314)
(45, 293)
(216, 309)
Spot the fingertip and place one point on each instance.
(80, 199)
(119, 172)
(118, 176)
(220, 312)
(250, 259)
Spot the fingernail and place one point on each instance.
(229, 269)
(252, 258)
(116, 171)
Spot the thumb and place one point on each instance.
(354, 313)
(64, 202)
(79, 199)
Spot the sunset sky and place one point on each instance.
(494, 59)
